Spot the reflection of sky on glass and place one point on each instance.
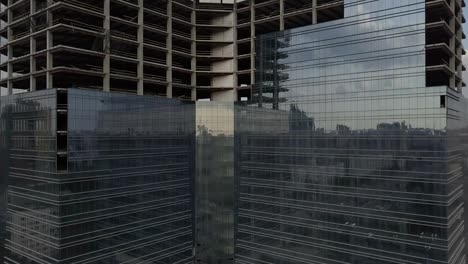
(365, 69)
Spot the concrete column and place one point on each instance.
(459, 71)
(169, 50)
(193, 65)
(459, 53)
(32, 64)
(50, 44)
(50, 62)
(140, 55)
(235, 66)
(314, 11)
(252, 42)
(452, 46)
(9, 73)
(281, 14)
(32, 50)
(10, 50)
(106, 46)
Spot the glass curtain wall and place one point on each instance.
(30, 206)
(215, 182)
(360, 168)
(123, 193)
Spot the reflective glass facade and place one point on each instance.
(355, 159)
(99, 178)
(214, 182)
(28, 124)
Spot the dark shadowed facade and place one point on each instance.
(98, 177)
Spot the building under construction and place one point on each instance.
(174, 48)
(352, 147)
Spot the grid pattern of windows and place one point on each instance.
(215, 182)
(28, 126)
(348, 158)
(125, 192)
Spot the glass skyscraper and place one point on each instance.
(367, 165)
(98, 177)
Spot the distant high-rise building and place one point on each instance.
(348, 146)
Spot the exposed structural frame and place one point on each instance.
(175, 48)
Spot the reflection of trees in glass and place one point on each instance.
(271, 70)
(202, 130)
(304, 163)
(343, 129)
(214, 195)
(393, 126)
(299, 121)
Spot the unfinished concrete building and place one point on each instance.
(175, 48)
(354, 154)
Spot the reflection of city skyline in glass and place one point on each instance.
(125, 192)
(366, 166)
(366, 68)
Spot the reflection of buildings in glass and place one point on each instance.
(27, 227)
(142, 145)
(270, 59)
(367, 172)
(28, 204)
(214, 182)
(304, 184)
(4, 165)
(111, 195)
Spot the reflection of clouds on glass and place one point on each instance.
(362, 121)
(215, 118)
(368, 67)
(338, 49)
